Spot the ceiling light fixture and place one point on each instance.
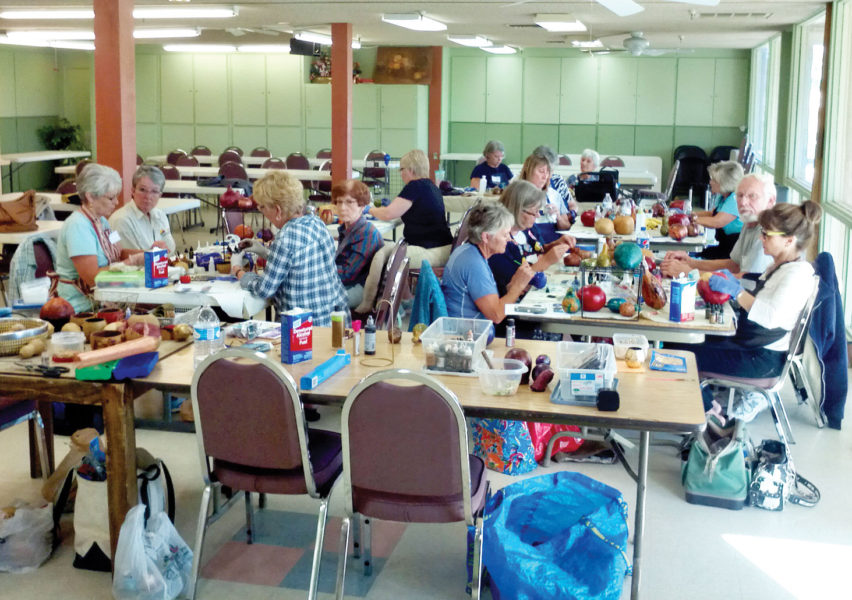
(30, 14)
(217, 48)
(71, 45)
(50, 34)
(153, 33)
(562, 23)
(264, 49)
(474, 41)
(587, 44)
(149, 12)
(500, 49)
(316, 38)
(414, 21)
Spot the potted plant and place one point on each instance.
(64, 135)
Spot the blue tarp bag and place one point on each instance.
(556, 536)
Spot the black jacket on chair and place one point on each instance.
(828, 334)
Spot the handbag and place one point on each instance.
(774, 480)
(19, 214)
(715, 473)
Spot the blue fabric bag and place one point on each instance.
(556, 536)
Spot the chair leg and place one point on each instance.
(798, 376)
(261, 500)
(779, 415)
(318, 543)
(201, 530)
(476, 582)
(367, 549)
(341, 557)
(356, 553)
(41, 443)
(249, 520)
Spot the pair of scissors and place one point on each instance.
(52, 371)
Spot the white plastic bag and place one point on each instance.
(151, 563)
(26, 538)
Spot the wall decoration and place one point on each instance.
(403, 65)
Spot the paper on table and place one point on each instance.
(230, 298)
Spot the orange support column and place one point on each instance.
(115, 92)
(435, 112)
(341, 101)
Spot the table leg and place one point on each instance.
(121, 455)
(639, 521)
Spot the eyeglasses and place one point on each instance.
(147, 191)
(342, 201)
(531, 213)
(765, 234)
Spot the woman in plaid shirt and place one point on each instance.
(300, 270)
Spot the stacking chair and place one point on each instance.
(261, 151)
(297, 160)
(81, 165)
(692, 173)
(230, 156)
(324, 153)
(201, 151)
(236, 149)
(666, 194)
(172, 157)
(720, 153)
(273, 163)
(170, 172)
(770, 387)
(321, 189)
(233, 170)
(391, 470)
(67, 186)
(252, 437)
(396, 272)
(187, 161)
(612, 161)
(458, 239)
(564, 160)
(139, 160)
(377, 177)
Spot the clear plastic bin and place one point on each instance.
(503, 379)
(454, 345)
(575, 382)
(622, 341)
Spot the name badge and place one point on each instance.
(114, 237)
(495, 179)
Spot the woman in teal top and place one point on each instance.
(86, 244)
(725, 176)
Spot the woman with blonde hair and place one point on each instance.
(537, 170)
(725, 176)
(420, 206)
(300, 269)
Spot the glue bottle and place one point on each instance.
(370, 336)
(356, 337)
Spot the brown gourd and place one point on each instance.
(653, 292)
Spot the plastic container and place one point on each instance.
(35, 291)
(503, 379)
(66, 344)
(583, 383)
(120, 279)
(208, 335)
(455, 345)
(622, 341)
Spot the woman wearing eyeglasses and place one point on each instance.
(86, 244)
(140, 223)
(357, 240)
(769, 312)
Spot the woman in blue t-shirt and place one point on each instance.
(495, 171)
(725, 176)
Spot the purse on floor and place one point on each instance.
(19, 214)
(774, 480)
(716, 473)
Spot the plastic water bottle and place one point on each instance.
(208, 335)
(642, 239)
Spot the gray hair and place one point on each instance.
(766, 180)
(489, 217)
(98, 180)
(727, 174)
(493, 146)
(416, 162)
(151, 172)
(589, 153)
(547, 153)
(522, 195)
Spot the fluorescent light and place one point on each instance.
(316, 38)
(220, 48)
(184, 12)
(563, 23)
(499, 49)
(356, 44)
(71, 45)
(28, 14)
(50, 34)
(587, 44)
(42, 43)
(151, 33)
(414, 21)
(264, 48)
(474, 41)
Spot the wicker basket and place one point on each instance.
(12, 341)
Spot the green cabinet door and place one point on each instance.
(695, 81)
(579, 84)
(365, 106)
(504, 87)
(730, 92)
(176, 91)
(617, 96)
(37, 85)
(211, 88)
(467, 82)
(541, 90)
(147, 88)
(7, 92)
(318, 105)
(284, 88)
(402, 105)
(655, 91)
(248, 89)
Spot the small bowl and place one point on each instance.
(111, 315)
(104, 339)
(66, 344)
(503, 379)
(92, 325)
(224, 267)
(80, 317)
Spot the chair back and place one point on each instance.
(799, 333)
(324, 153)
(67, 186)
(186, 161)
(139, 160)
(233, 170)
(233, 218)
(324, 187)
(564, 160)
(612, 161)
(396, 272)
(81, 165)
(236, 149)
(172, 157)
(720, 153)
(261, 151)
(273, 163)
(230, 156)
(297, 160)
(201, 151)
(43, 259)
(170, 172)
(671, 181)
(370, 172)
(248, 415)
(461, 233)
(390, 433)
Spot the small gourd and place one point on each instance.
(570, 303)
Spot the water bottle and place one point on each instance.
(642, 239)
(208, 335)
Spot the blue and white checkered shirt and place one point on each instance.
(300, 271)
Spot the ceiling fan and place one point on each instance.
(625, 8)
(638, 45)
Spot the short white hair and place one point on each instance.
(98, 180)
(766, 180)
(589, 153)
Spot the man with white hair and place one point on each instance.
(755, 194)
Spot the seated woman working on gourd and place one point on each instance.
(724, 218)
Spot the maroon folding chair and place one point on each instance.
(273, 163)
(612, 161)
(201, 151)
(230, 156)
(261, 151)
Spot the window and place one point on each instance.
(763, 101)
(809, 47)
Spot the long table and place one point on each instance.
(256, 161)
(50, 228)
(170, 206)
(16, 160)
(658, 242)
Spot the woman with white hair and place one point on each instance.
(590, 162)
(725, 176)
(86, 244)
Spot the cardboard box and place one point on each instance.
(156, 267)
(682, 300)
(296, 336)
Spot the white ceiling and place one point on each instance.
(665, 23)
